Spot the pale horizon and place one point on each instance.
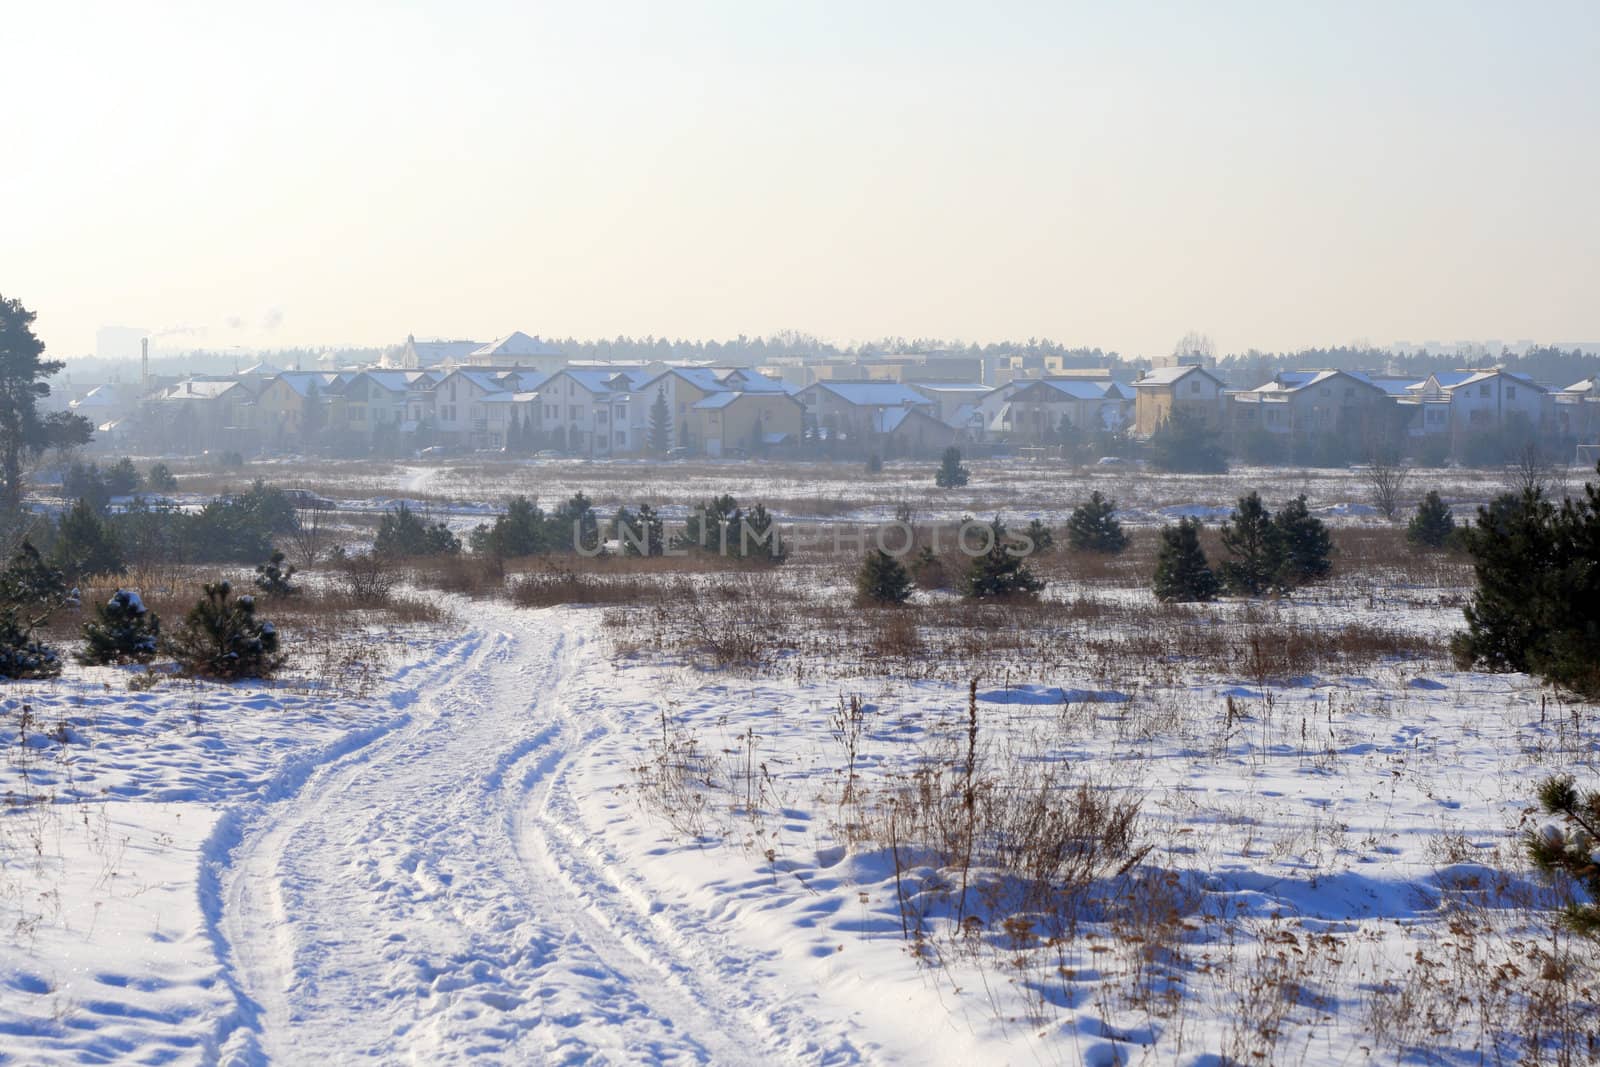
(1276, 179)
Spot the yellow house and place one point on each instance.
(1167, 389)
(723, 422)
(294, 406)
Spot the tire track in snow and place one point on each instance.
(387, 908)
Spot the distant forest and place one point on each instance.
(1550, 365)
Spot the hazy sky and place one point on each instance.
(1277, 175)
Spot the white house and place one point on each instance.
(586, 409)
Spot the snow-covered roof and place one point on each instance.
(1157, 376)
(1394, 384)
(199, 390)
(1081, 388)
(872, 393)
(1485, 375)
(717, 401)
(516, 343)
(261, 370)
(951, 387)
(603, 380)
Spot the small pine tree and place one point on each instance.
(1305, 544)
(31, 585)
(123, 478)
(1182, 571)
(1570, 852)
(122, 631)
(402, 532)
(874, 464)
(1256, 546)
(951, 474)
(1433, 525)
(1093, 526)
(161, 479)
(273, 577)
(882, 579)
(21, 654)
(640, 533)
(222, 638)
(758, 538)
(1044, 541)
(85, 544)
(999, 572)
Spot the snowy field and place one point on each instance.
(729, 819)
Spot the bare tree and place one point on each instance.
(310, 536)
(1195, 343)
(1386, 475)
(1534, 469)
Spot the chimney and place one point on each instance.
(144, 365)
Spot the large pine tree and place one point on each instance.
(882, 579)
(660, 423)
(1433, 525)
(23, 374)
(1305, 544)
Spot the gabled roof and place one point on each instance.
(301, 381)
(1293, 381)
(603, 379)
(1079, 388)
(1485, 375)
(870, 394)
(1163, 376)
(261, 370)
(1576, 388)
(200, 390)
(964, 416)
(950, 387)
(516, 343)
(717, 401)
(1394, 384)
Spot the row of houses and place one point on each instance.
(1453, 410)
(538, 400)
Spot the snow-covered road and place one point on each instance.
(414, 900)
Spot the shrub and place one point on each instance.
(223, 531)
(1185, 444)
(874, 464)
(1433, 526)
(523, 530)
(1256, 547)
(161, 479)
(999, 572)
(222, 638)
(1182, 571)
(21, 654)
(273, 577)
(882, 579)
(369, 577)
(404, 533)
(1570, 851)
(85, 544)
(951, 474)
(1304, 542)
(122, 631)
(1093, 526)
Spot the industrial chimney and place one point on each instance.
(144, 366)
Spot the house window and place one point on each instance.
(1511, 392)
(1483, 390)
(573, 413)
(621, 438)
(600, 416)
(1194, 386)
